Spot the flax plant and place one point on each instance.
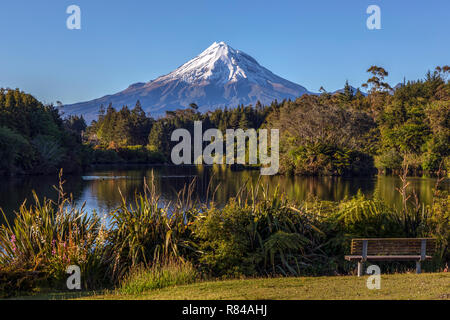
(148, 230)
(49, 236)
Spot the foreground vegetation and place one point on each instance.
(149, 244)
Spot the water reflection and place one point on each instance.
(100, 188)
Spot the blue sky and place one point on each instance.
(312, 43)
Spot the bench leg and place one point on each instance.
(418, 267)
(360, 268)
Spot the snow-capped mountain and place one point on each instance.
(220, 76)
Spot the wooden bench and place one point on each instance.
(391, 250)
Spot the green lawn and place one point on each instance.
(399, 286)
(430, 286)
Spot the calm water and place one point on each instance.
(99, 188)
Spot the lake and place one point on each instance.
(99, 188)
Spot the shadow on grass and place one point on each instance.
(60, 295)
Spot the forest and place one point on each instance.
(347, 133)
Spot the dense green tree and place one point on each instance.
(34, 138)
(347, 95)
(76, 124)
(156, 138)
(414, 125)
(324, 139)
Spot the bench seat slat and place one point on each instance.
(387, 258)
(383, 249)
(393, 246)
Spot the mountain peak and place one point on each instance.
(216, 45)
(219, 62)
(219, 49)
(219, 76)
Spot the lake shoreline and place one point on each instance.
(99, 186)
(122, 165)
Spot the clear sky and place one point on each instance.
(312, 43)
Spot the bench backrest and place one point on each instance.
(416, 246)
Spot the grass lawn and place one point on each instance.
(428, 286)
(399, 286)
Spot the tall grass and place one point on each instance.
(159, 275)
(149, 231)
(50, 236)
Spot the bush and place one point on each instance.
(367, 218)
(389, 160)
(140, 154)
(131, 154)
(440, 223)
(17, 282)
(225, 239)
(101, 156)
(268, 235)
(321, 159)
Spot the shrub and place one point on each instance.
(131, 154)
(321, 159)
(140, 154)
(440, 223)
(101, 156)
(265, 235)
(389, 160)
(16, 282)
(362, 217)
